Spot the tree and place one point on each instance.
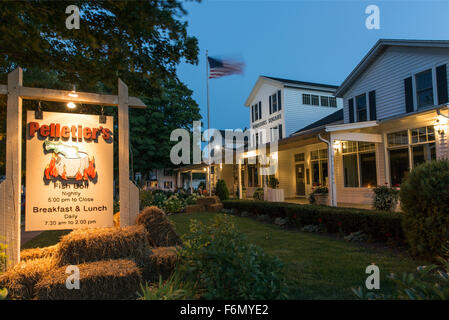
(142, 42)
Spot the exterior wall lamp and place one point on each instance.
(337, 145)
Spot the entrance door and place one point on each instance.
(300, 183)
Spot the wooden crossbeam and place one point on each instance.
(64, 96)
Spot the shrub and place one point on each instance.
(173, 204)
(146, 198)
(172, 289)
(221, 190)
(429, 283)
(3, 293)
(111, 279)
(3, 257)
(273, 182)
(86, 245)
(425, 201)
(319, 190)
(258, 194)
(379, 225)
(160, 230)
(385, 198)
(226, 266)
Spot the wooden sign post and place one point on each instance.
(10, 188)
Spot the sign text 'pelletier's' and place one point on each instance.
(55, 130)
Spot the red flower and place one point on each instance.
(294, 216)
(388, 234)
(320, 220)
(339, 223)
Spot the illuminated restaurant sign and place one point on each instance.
(69, 172)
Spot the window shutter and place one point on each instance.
(408, 85)
(252, 113)
(442, 84)
(260, 110)
(372, 105)
(269, 99)
(351, 110)
(279, 100)
(280, 131)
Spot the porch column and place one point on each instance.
(178, 180)
(240, 179)
(332, 183)
(10, 188)
(123, 154)
(191, 181)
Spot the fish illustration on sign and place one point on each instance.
(68, 162)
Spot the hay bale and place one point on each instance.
(38, 253)
(195, 208)
(86, 245)
(208, 200)
(116, 220)
(21, 280)
(160, 229)
(162, 263)
(216, 207)
(111, 279)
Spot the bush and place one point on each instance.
(173, 204)
(221, 190)
(160, 230)
(226, 266)
(385, 198)
(273, 182)
(425, 201)
(379, 225)
(429, 283)
(258, 194)
(172, 289)
(3, 258)
(146, 199)
(319, 190)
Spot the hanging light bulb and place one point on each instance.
(71, 105)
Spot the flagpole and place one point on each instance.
(208, 120)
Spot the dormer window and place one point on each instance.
(361, 107)
(424, 89)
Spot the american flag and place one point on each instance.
(220, 68)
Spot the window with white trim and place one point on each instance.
(408, 149)
(424, 88)
(318, 164)
(359, 164)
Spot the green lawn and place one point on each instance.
(45, 239)
(317, 266)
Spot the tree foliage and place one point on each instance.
(141, 42)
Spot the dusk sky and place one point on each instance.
(316, 41)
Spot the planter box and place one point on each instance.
(321, 198)
(273, 195)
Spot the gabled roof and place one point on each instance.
(280, 82)
(304, 83)
(379, 48)
(333, 118)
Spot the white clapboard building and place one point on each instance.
(279, 107)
